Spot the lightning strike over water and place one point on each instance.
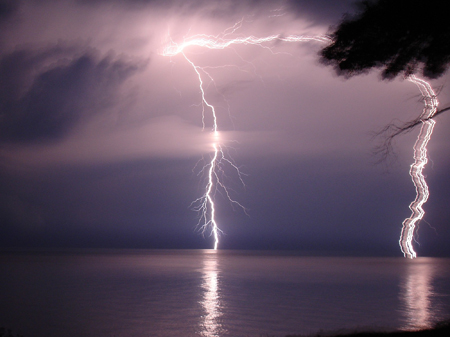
(420, 160)
(205, 204)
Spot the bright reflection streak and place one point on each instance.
(211, 300)
(420, 160)
(416, 292)
(205, 204)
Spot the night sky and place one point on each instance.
(101, 135)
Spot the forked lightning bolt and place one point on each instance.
(420, 160)
(205, 204)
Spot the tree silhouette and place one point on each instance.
(400, 36)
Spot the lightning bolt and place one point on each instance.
(416, 170)
(205, 204)
(214, 168)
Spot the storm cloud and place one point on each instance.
(44, 94)
(102, 138)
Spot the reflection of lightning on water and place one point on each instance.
(205, 204)
(211, 300)
(420, 160)
(416, 292)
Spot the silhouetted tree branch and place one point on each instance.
(402, 37)
(390, 131)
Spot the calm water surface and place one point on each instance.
(225, 293)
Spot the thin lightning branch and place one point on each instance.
(420, 160)
(216, 42)
(205, 204)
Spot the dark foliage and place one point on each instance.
(390, 131)
(399, 36)
(7, 333)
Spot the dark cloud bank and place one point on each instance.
(45, 93)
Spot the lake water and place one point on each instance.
(225, 293)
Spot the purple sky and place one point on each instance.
(100, 134)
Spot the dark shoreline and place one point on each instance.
(441, 329)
